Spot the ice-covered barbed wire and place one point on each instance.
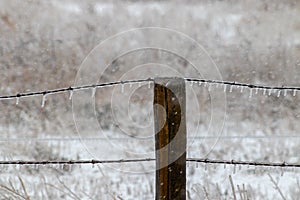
(73, 162)
(242, 86)
(246, 163)
(128, 139)
(72, 88)
(195, 160)
(206, 83)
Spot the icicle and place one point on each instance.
(225, 87)
(231, 87)
(149, 85)
(70, 168)
(44, 100)
(71, 95)
(265, 90)
(240, 167)
(17, 100)
(294, 92)
(93, 92)
(242, 88)
(256, 90)
(122, 88)
(278, 94)
(234, 169)
(250, 93)
(200, 83)
(192, 83)
(270, 92)
(205, 84)
(285, 93)
(140, 84)
(224, 166)
(282, 171)
(197, 164)
(209, 87)
(130, 85)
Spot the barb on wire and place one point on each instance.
(72, 88)
(248, 163)
(251, 86)
(73, 162)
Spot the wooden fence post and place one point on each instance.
(170, 139)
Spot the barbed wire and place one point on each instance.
(73, 88)
(251, 86)
(192, 80)
(247, 163)
(74, 139)
(73, 162)
(197, 160)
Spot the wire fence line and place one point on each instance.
(72, 88)
(197, 160)
(265, 89)
(233, 83)
(247, 163)
(73, 162)
(207, 83)
(130, 139)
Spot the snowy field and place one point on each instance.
(43, 46)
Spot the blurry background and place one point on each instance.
(43, 43)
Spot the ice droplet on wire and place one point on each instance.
(285, 93)
(265, 91)
(71, 95)
(278, 94)
(93, 92)
(209, 87)
(270, 92)
(250, 95)
(44, 100)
